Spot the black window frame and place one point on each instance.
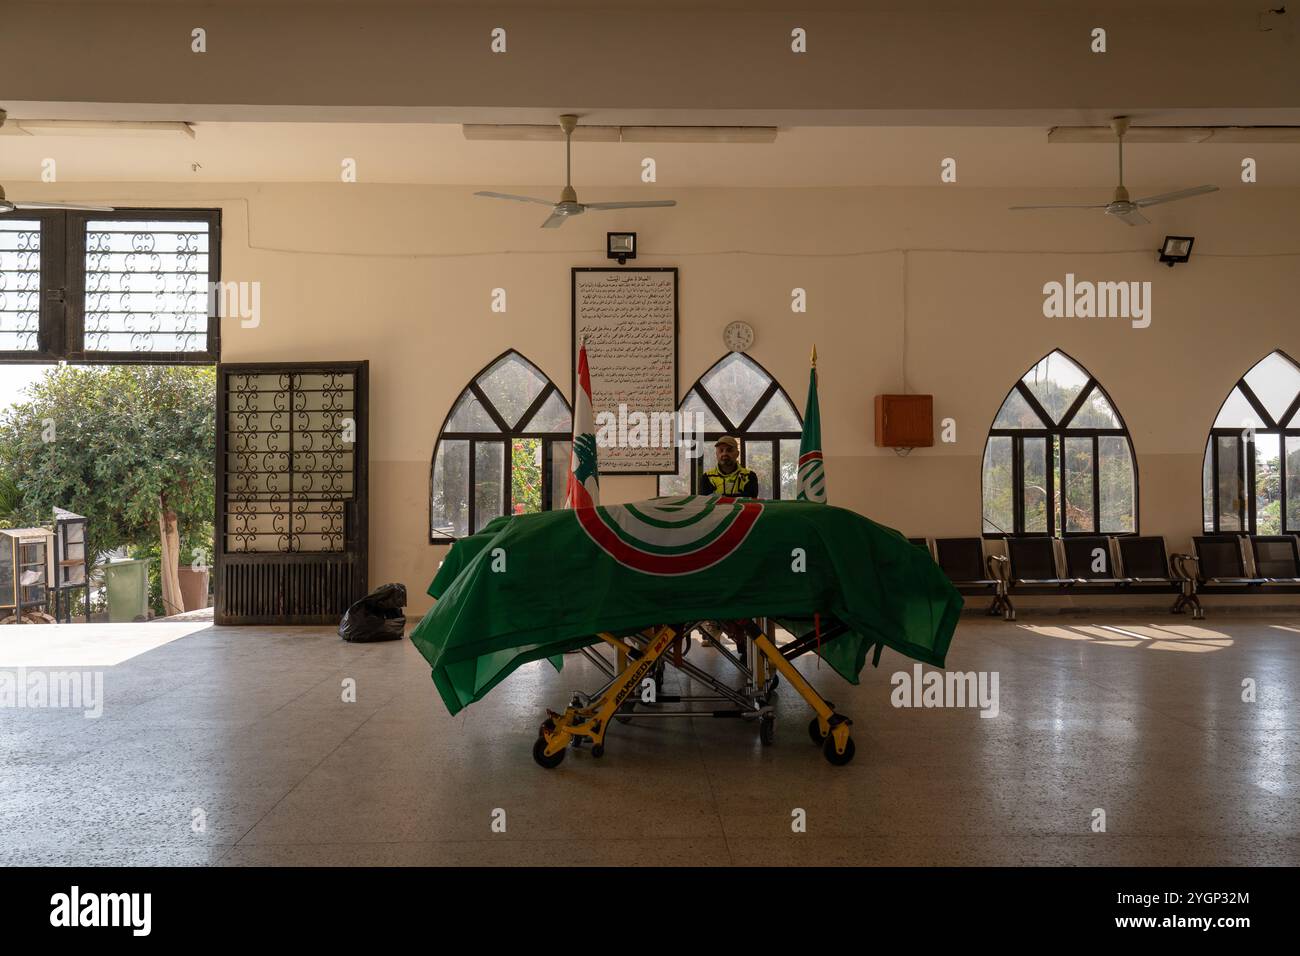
(738, 430)
(61, 336)
(1055, 436)
(51, 331)
(1246, 511)
(503, 437)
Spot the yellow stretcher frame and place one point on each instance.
(588, 720)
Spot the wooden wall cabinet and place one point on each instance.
(904, 421)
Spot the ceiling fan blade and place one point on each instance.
(655, 203)
(62, 205)
(1170, 197)
(555, 221)
(542, 202)
(1064, 205)
(1133, 217)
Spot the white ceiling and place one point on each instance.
(804, 156)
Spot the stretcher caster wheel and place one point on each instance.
(598, 751)
(767, 730)
(539, 754)
(837, 759)
(815, 732)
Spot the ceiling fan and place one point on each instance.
(1121, 207)
(7, 205)
(568, 205)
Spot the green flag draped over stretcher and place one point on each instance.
(534, 586)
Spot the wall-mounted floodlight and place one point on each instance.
(1176, 249)
(620, 246)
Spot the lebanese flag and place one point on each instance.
(584, 479)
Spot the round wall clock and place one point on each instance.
(738, 336)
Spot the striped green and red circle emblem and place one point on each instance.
(811, 477)
(669, 536)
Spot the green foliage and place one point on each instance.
(1268, 490)
(11, 501)
(111, 443)
(526, 475)
(1114, 471)
(195, 548)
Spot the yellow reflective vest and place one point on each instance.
(741, 483)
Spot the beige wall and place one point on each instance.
(402, 276)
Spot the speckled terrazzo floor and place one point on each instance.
(233, 746)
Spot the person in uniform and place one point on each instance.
(729, 477)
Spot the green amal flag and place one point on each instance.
(812, 476)
(534, 586)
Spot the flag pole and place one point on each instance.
(811, 476)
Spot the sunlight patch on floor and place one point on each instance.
(1156, 637)
(86, 645)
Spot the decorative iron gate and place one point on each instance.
(291, 535)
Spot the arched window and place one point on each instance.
(738, 397)
(1250, 481)
(508, 439)
(1058, 458)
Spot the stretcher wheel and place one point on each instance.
(815, 732)
(598, 751)
(767, 729)
(837, 759)
(539, 754)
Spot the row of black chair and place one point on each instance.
(963, 561)
(1219, 566)
(1122, 565)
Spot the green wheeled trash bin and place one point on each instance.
(127, 583)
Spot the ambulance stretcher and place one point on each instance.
(635, 683)
(600, 581)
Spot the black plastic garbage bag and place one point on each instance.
(376, 617)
